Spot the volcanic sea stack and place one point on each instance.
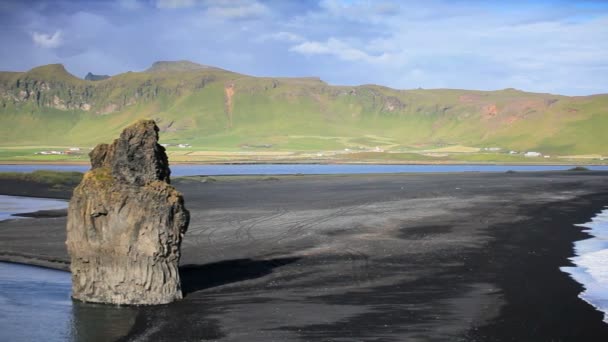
(126, 223)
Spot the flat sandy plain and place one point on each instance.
(409, 257)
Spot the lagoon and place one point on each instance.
(278, 169)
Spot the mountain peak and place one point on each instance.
(49, 68)
(181, 65)
(50, 71)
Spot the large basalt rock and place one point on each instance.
(126, 223)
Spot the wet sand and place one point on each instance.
(412, 257)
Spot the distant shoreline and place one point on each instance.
(283, 162)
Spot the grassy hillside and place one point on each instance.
(217, 110)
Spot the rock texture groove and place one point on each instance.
(126, 223)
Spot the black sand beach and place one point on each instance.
(412, 257)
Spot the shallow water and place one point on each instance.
(591, 262)
(10, 205)
(35, 303)
(36, 306)
(276, 169)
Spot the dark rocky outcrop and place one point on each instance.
(126, 223)
(92, 77)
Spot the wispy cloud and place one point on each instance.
(361, 10)
(172, 4)
(219, 9)
(282, 36)
(547, 46)
(130, 4)
(48, 41)
(237, 10)
(337, 48)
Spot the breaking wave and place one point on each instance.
(591, 262)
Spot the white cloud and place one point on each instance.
(237, 10)
(171, 4)
(483, 48)
(337, 48)
(361, 11)
(552, 46)
(129, 4)
(282, 36)
(220, 9)
(46, 40)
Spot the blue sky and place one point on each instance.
(543, 46)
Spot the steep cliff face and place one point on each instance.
(52, 86)
(47, 86)
(218, 109)
(126, 223)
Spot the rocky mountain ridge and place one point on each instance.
(195, 103)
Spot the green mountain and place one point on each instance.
(178, 66)
(215, 109)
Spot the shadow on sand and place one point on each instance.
(98, 322)
(199, 277)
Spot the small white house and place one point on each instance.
(49, 152)
(184, 145)
(532, 154)
(74, 149)
(513, 152)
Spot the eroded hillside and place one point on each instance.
(218, 109)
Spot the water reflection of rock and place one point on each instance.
(97, 322)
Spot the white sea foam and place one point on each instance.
(591, 262)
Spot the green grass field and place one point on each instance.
(52, 178)
(217, 110)
(247, 155)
